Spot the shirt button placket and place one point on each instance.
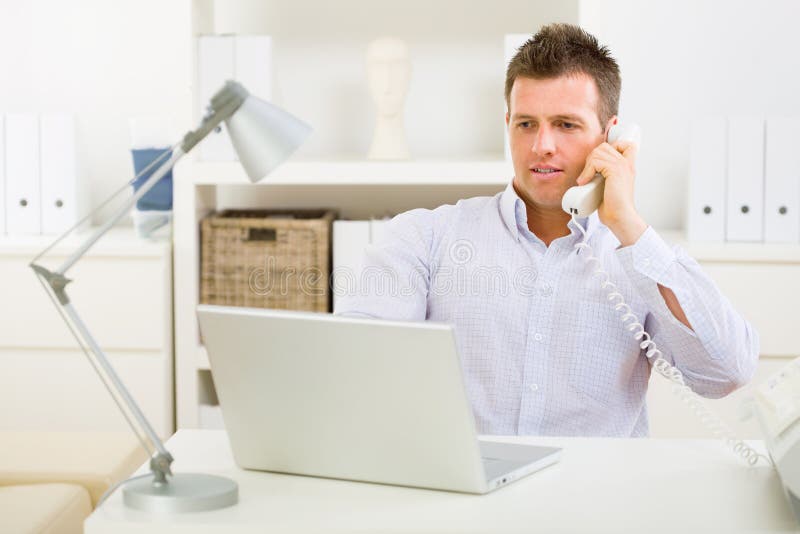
(540, 365)
(529, 407)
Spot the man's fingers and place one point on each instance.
(607, 156)
(598, 163)
(628, 149)
(588, 172)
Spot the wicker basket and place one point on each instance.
(267, 259)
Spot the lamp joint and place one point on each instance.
(57, 282)
(160, 466)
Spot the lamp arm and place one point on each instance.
(161, 461)
(223, 105)
(188, 491)
(57, 283)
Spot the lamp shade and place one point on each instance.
(264, 136)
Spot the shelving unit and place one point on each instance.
(454, 123)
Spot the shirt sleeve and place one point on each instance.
(721, 353)
(395, 274)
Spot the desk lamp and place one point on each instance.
(263, 137)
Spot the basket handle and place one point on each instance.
(261, 234)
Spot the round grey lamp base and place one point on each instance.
(185, 492)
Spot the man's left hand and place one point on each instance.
(617, 211)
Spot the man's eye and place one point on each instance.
(524, 124)
(567, 125)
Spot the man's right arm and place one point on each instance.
(395, 275)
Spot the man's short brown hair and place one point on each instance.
(563, 49)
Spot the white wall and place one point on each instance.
(105, 61)
(689, 58)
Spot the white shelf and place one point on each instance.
(735, 252)
(119, 241)
(360, 173)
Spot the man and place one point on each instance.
(543, 351)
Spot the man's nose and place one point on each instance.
(544, 142)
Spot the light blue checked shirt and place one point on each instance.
(543, 352)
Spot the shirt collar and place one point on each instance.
(512, 210)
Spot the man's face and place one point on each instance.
(552, 128)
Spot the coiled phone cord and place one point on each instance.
(662, 366)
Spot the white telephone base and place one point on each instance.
(777, 407)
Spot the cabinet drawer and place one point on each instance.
(59, 390)
(125, 303)
(766, 295)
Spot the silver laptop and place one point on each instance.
(357, 399)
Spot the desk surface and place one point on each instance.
(600, 485)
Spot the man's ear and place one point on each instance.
(507, 117)
(611, 122)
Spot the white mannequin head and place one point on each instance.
(388, 74)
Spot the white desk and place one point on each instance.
(600, 485)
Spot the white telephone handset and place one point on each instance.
(583, 200)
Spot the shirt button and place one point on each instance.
(534, 387)
(537, 337)
(546, 290)
(646, 261)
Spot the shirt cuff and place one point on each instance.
(650, 256)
